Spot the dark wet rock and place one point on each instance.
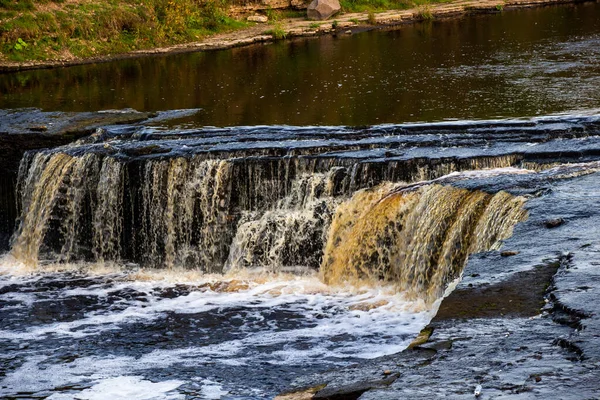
(518, 327)
(353, 381)
(520, 295)
(300, 394)
(145, 150)
(8, 209)
(355, 389)
(509, 253)
(554, 222)
(319, 10)
(31, 129)
(71, 125)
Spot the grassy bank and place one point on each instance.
(63, 29)
(383, 5)
(40, 30)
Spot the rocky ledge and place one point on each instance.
(524, 322)
(31, 129)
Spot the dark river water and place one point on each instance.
(511, 64)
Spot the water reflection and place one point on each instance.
(527, 62)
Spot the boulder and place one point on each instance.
(319, 10)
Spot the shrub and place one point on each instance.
(277, 32)
(371, 18)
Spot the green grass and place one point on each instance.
(277, 32)
(54, 29)
(425, 13)
(383, 5)
(57, 29)
(17, 5)
(371, 18)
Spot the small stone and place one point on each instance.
(509, 253)
(132, 266)
(258, 18)
(349, 32)
(387, 372)
(439, 346)
(421, 338)
(554, 222)
(477, 392)
(538, 378)
(320, 10)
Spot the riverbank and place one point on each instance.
(242, 33)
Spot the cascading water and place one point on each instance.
(210, 255)
(292, 232)
(221, 260)
(189, 212)
(417, 239)
(219, 254)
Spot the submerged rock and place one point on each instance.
(320, 10)
(554, 222)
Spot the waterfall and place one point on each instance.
(185, 209)
(293, 232)
(108, 215)
(216, 215)
(417, 239)
(41, 193)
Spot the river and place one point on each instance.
(513, 64)
(308, 214)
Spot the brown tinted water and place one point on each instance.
(511, 64)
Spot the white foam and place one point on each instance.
(26, 299)
(334, 327)
(212, 390)
(310, 294)
(128, 388)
